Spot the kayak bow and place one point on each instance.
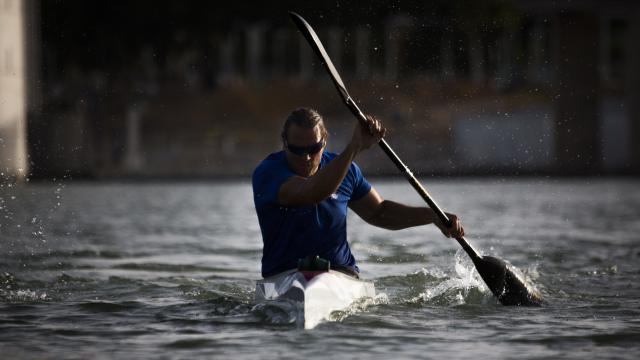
(316, 294)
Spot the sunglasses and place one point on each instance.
(304, 150)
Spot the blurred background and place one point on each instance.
(173, 89)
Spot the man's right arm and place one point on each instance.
(300, 191)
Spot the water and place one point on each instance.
(92, 270)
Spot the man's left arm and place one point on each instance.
(391, 215)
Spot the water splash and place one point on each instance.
(22, 296)
(464, 286)
(10, 291)
(359, 306)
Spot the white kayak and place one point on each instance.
(316, 293)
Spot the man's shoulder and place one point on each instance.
(267, 178)
(272, 160)
(273, 169)
(277, 156)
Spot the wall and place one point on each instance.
(13, 154)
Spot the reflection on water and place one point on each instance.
(131, 269)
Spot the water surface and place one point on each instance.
(148, 270)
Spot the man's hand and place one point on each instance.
(365, 134)
(456, 230)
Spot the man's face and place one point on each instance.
(299, 137)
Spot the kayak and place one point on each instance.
(316, 293)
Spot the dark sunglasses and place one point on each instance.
(303, 150)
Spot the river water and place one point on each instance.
(167, 270)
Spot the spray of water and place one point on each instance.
(462, 286)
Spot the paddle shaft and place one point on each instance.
(404, 169)
(504, 283)
(316, 45)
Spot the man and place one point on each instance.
(301, 195)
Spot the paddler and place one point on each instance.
(301, 195)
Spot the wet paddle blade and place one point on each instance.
(507, 283)
(313, 40)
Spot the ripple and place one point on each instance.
(107, 306)
(190, 343)
(167, 267)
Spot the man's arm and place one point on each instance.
(300, 191)
(395, 216)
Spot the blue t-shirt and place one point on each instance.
(294, 232)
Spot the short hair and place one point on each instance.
(306, 118)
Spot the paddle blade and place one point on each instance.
(315, 43)
(506, 282)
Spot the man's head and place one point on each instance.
(304, 138)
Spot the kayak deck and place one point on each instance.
(317, 294)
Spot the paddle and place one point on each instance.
(504, 280)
